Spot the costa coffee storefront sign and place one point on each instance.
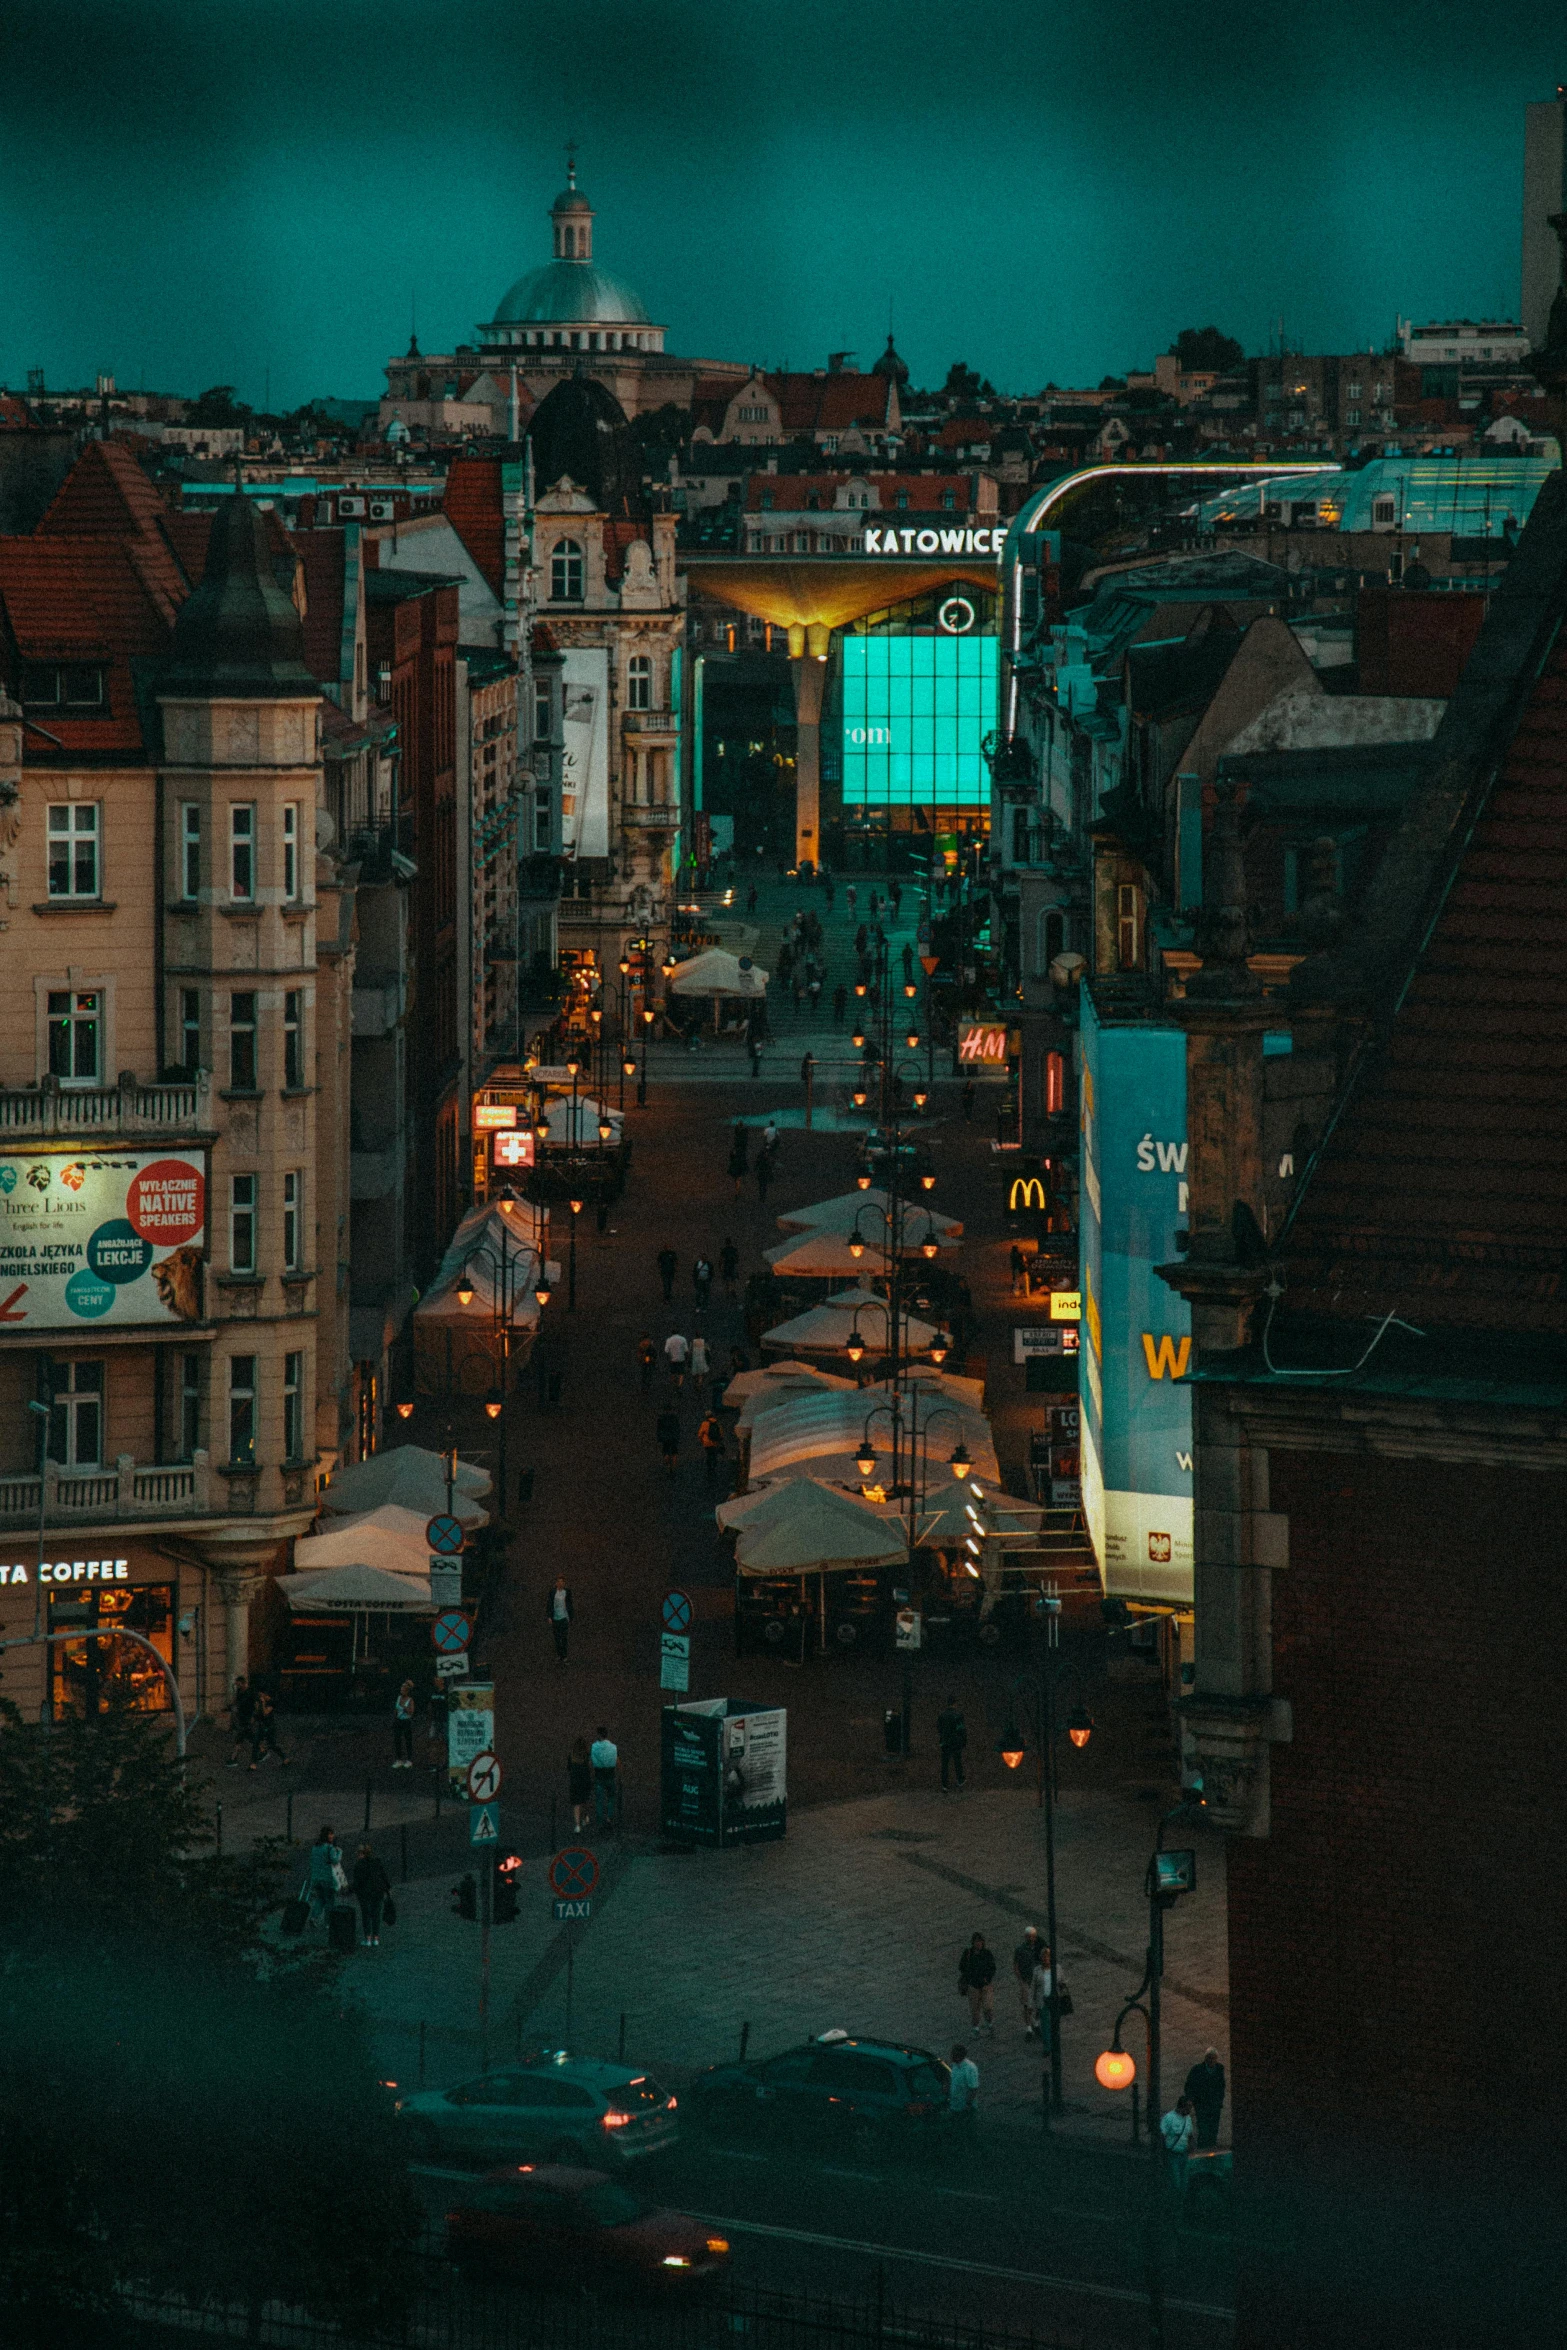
(58, 1571)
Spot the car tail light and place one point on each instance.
(670, 2103)
(676, 2260)
(614, 2121)
(718, 2243)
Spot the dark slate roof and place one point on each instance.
(239, 635)
(1440, 1189)
(1353, 782)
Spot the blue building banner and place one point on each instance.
(1136, 1351)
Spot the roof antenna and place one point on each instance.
(571, 163)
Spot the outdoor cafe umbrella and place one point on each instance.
(827, 1329)
(357, 1589)
(717, 972)
(817, 1256)
(805, 1527)
(778, 1378)
(410, 1476)
(820, 1436)
(388, 1537)
(871, 1209)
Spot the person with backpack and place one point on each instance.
(976, 1976)
(647, 1362)
(711, 1437)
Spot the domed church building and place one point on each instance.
(568, 316)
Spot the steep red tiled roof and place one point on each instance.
(15, 415)
(107, 495)
(831, 403)
(321, 553)
(472, 504)
(1443, 1188)
(83, 599)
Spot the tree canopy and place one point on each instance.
(186, 2106)
(217, 405)
(1203, 349)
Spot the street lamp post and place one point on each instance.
(919, 1451)
(571, 1275)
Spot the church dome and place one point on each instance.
(570, 293)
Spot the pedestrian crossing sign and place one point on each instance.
(484, 1824)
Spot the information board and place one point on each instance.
(470, 1730)
(95, 1237)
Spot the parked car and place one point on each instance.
(552, 2108)
(834, 2090)
(556, 2224)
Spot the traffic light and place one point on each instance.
(465, 1899)
(508, 1868)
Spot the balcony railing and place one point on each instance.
(651, 722)
(178, 1489)
(122, 1110)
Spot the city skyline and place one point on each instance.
(275, 215)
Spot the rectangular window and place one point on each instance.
(242, 1223)
(73, 849)
(293, 1407)
(190, 1028)
(1128, 926)
(293, 1041)
(242, 1411)
(75, 1021)
(242, 851)
(541, 714)
(190, 850)
(242, 1043)
(76, 1415)
(190, 1405)
(290, 851)
(541, 823)
(293, 1190)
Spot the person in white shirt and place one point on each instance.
(604, 1755)
(677, 1350)
(963, 2087)
(700, 1366)
(1179, 2132)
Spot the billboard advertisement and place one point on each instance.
(724, 1771)
(584, 798)
(1136, 1408)
(915, 711)
(95, 1237)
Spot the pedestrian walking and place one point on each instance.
(951, 1737)
(677, 1353)
(579, 1784)
(814, 991)
(764, 1175)
(728, 1266)
(784, 962)
(647, 1359)
(1025, 1965)
(968, 1099)
(1179, 2132)
(372, 1890)
(669, 1439)
(862, 939)
(242, 1708)
(753, 1047)
(963, 2090)
(1039, 1990)
(740, 1145)
(668, 1267)
(702, 1281)
(604, 1755)
(326, 1879)
(560, 1614)
(1019, 1272)
(700, 1365)
(711, 1436)
(807, 1065)
(895, 898)
(849, 896)
(1205, 2088)
(875, 904)
(840, 999)
(263, 1732)
(750, 899)
(403, 1710)
(976, 1979)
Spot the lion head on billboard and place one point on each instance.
(179, 1284)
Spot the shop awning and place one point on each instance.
(358, 1590)
(777, 1379)
(389, 1537)
(410, 1478)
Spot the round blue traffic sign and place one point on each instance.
(677, 1612)
(573, 1873)
(445, 1536)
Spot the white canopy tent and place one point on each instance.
(806, 1527)
(413, 1479)
(389, 1537)
(819, 1436)
(826, 1329)
(716, 972)
(819, 1255)
(575, 1126)
(776, 1379)
(357, 1589)
(871, 1209)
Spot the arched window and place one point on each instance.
(639, 682)
(1050, 939)
(566, 572)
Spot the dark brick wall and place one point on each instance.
(1397, 1947)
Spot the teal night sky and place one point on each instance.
(197, 191)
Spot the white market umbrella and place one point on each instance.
(357, 1590)
(410, 1480)
(568, 1126)
(388, 1537)
(819, 1436)
(818, 1255)
(872, 1208)
(776, 1378)
(942, 1521)
(805, 1527)
(717, 972)
(827, 1328)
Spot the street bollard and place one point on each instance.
(288, 1817)
(402, 1838)
(620, 2051)
(745, 2040)
(220, 1832)
(369, 1786)
(421, 2055)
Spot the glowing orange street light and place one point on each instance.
(1114, 2069)
(1080, 1726)
(465, 1291)
(1011, 1747)
(492, 1405)
(863, 1181)
(405, 1411)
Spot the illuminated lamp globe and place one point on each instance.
(1114, 2069)
(854, 1349)
(629, 1065)
(405, 1411)
(492, 1405)
(921, 1097)
(859, 987)
(596, 1013)
(863, 1181)
(909, 988)
(928, 1248)
(648, 1016)
(1080, 1726)
(542, 1293)
(858, 1038)
(465, 1291)
(913, 1038)
(960, 1464)
(927, 1182)
(858, 1097)
(865, 1459)
(625, 965)
(605, 1130)
(573, 1066)
(938, 1352)
(1011, 1746)
(575, 1206)
(856, 1245)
